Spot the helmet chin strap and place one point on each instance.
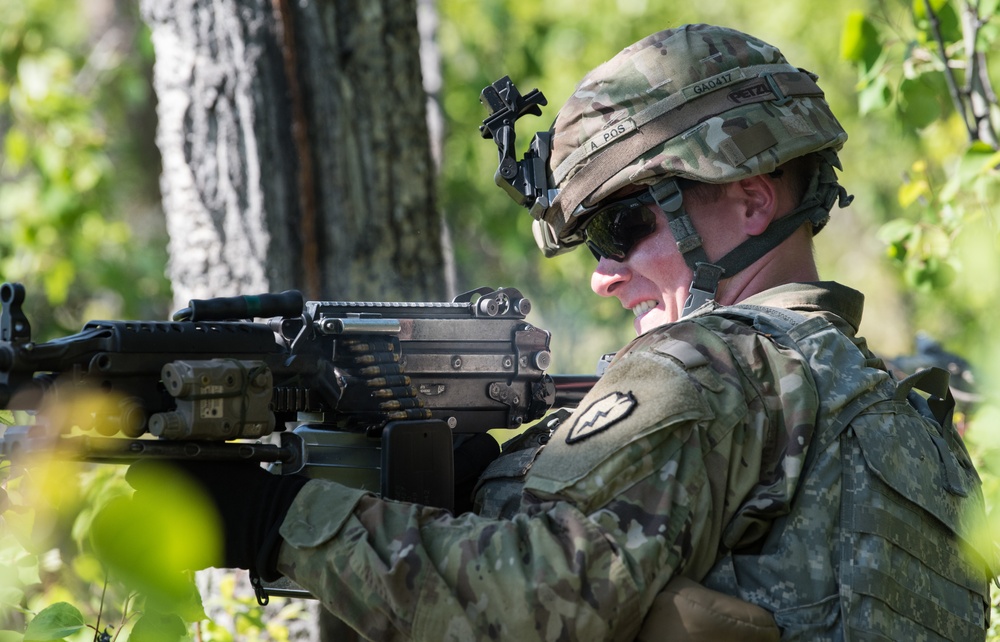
(706, 273)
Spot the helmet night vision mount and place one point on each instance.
(524, 181)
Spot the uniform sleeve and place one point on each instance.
(398, 571)
(634, 488)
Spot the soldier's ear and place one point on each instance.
(760, 203)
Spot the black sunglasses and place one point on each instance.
(615, 228)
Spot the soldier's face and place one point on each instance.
(653, 280)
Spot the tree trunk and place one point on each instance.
(360, 69)
(295, 152)
(295, 149)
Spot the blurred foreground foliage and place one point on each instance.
(80, 557)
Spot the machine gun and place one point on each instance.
(370, 394)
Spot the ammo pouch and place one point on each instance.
(685, 611)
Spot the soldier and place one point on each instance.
(745, 458)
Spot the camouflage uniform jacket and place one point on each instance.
(682, 458)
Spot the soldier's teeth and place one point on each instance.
(644, 307)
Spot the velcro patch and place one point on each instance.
(601, 415)
(717, 81)
(609, 134)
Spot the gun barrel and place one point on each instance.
(570, 389)
(19, 441)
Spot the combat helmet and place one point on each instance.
(701, 102)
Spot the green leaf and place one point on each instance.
(930, 274)
(910, 193)
(977, 161)
(7, 417)
(989, 164)
(158, 627)
(918, 103)
(920, 8)
(897, 230)
(10, 596)
(876, 95)
(896, 234)
(948, 21)
(54, 622)
(859, 40)
(88, 568)
(11, 636)
(16, 147)
(935, 243)
(187, 606)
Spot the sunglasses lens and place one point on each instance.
(615, 229)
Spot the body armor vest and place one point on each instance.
(891, 563)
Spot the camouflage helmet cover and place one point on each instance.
(702, 102)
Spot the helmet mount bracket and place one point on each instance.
(524, 181)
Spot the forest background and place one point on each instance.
(81, 221)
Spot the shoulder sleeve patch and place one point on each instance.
(687, 354)
(641, 400)
(601, 415)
